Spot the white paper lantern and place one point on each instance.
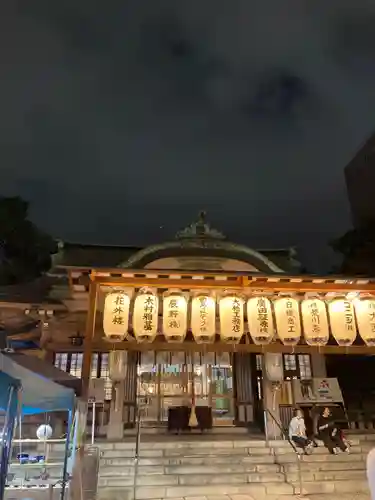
(288, 322)
(116, 316)
(145, 315)
(315, 322)
(117, 364)
(203, 318)
(274, 366)
(175, 311)
(342, 321)
(44, 432)
(365, 314)
(260, 320)
(231, 318)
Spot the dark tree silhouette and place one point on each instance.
(357, 248)
(25, 251)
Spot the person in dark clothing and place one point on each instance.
(330, 434)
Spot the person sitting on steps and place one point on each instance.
(330, 434)
(297, 432)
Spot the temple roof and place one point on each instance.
(197, 240)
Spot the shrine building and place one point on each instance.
(198, 320)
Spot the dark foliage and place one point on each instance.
(25, 251)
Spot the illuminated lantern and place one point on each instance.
(117, 362)
(315, 322)
(175, 311)
(260, 320)
(203, 317)
(365, 313)
(116, 316)
(231, 318)
(288, 322)
(342, 321)
(145, 315)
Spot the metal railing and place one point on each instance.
(285, 436)
(138, 427)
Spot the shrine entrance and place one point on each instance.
(172, 379)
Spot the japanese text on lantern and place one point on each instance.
(148, 312)
(371, 315)
(203, 305)
(315, 317)
(118, 310)
(349, 319)
(236, 315)
(174, 321)
(291, 319)
(262, 316)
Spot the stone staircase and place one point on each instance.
(228, 467)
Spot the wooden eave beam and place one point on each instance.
(103, 346)
(240, 283)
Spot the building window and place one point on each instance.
(72, 363)
(304, 362)
(297, 366)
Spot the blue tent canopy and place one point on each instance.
(39, 394)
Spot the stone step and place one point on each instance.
(217, 491)
(321, 450)
(201, 460)
(177, 443)
(321, 457)
(319, 476)
(330, 487)
(111, 470)
(193, 480)
(325, 466)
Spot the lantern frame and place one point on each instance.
(340, 340)
(175, 292)
(258, 339)
(368, 340)
(319, 340)
(236, 338)
(118, 337)
(141, 334)
(288, 340)
(209, 337)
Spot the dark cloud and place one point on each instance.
(119, 118)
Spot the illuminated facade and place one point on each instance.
(197, 320)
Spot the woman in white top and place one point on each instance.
(297, 431)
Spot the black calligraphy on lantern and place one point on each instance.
(148, 313)
(203, 314)
(236, 315)
(290, 314)
(174, 319)
(349, 319)
(118, 310)
(262, 315)
(315, 317)
(371, 315)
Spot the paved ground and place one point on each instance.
(358, 496)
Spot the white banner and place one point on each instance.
(317, 390)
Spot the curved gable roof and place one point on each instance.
(200, 240)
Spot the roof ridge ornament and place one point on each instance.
(200, 229)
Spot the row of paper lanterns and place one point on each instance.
(289, 317)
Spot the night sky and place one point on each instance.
(120, 120)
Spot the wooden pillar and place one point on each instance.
(89, 336)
